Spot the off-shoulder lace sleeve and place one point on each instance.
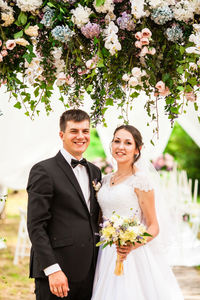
(142, 182)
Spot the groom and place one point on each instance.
(63, 216)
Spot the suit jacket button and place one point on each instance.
(82, 245)
(91, 214)
(54, 238)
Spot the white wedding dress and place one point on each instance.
(147, 276)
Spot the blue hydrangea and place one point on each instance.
(47, 19)
(162, 15)
(62, 33)
(174, 33)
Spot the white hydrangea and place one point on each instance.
(157, 3)
(81, 15)
(27, 5)
(184, 10)
(108, 6)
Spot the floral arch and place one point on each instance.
(111, 49)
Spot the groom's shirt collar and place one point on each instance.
(67, 155)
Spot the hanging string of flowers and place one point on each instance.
(107, 48)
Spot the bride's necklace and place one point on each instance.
(115, 178)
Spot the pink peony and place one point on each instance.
(144, 41)
(138, 44)
(138, 35)
(146, 33)
(1, 58)
(10, 44)
(190, 96)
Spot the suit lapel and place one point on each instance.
(63, 164)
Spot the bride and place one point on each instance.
(147, 275)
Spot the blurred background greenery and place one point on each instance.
(185, 152)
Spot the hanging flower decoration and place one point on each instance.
(107, 48)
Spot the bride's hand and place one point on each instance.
(123, 251)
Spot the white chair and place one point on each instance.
(23, 241)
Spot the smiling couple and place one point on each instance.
(63, 222)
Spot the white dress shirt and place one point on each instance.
(83, 180)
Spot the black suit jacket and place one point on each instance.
(61, 228)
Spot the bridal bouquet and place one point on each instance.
(122, 231)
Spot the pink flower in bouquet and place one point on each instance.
(10, 44)
(190, 96)
(1, 58)
(0, 43)
(4, 53)
(144, 41)
(138, 35)
(146, 33)
(138, 44)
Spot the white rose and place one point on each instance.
(136, 72)
(32, 30)
(21, 42)
(8, 19)
(133, 82)
(125, 77)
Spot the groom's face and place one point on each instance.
(76, 137)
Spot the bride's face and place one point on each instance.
(124, 147)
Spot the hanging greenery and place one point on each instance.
(111, 49)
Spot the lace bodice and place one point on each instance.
(121, 197)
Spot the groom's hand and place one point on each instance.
(58, 283)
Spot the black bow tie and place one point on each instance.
(75, 162)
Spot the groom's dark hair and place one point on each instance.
(76, 115)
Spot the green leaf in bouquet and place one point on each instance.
(100, 243)
(146, 234)
(105, 245)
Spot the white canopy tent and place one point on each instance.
(25, 142)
